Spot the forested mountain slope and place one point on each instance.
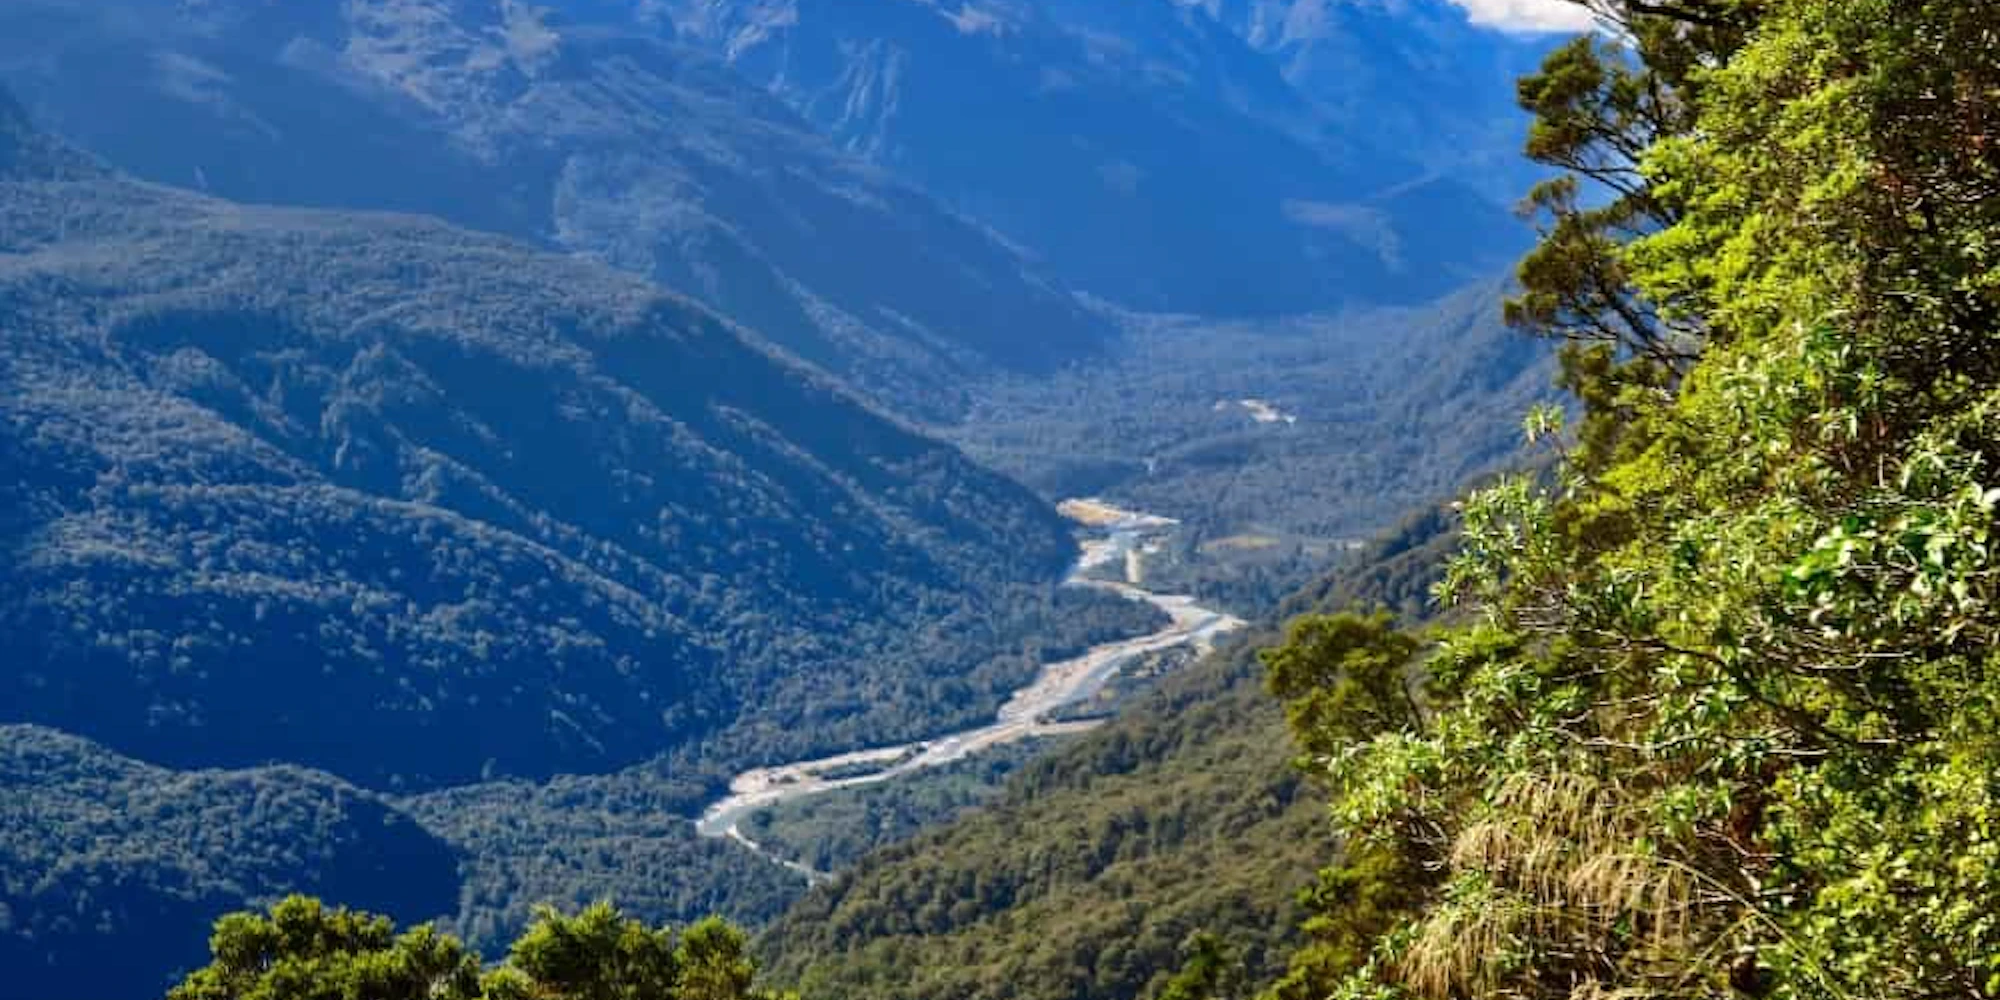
(1091, 872)
(1715, 712)
(380, 496)
(1719, 720)
(555, 124)
(1371, 413)
(111, 870)
(101, 856)
(1141, 149)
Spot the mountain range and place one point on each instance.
(1143, 151)
(445, 439)
(906, 193)
(572, 132)
(1358, 61)
(280, 475)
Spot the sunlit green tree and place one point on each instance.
(1728, 721)
(304, 950)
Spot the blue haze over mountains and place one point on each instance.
(404, 400)
(578, 135)
(416, 506)
(280, 475)
(1141, 152)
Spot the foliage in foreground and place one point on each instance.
(1178, 836)
(1728, 721)
(304, 950)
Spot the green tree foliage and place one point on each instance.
(1725, 724)
(1099, 869)
(103, 855)
(1344, 678)
(304, 950)
(1212, 970)
(1597, 106)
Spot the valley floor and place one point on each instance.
(1032, 711)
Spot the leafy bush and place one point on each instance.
(301, 948)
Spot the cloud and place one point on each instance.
(1528, 15)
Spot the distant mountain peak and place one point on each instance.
(1142, 150)
(579, 126)
(15, 129)
(28, 154)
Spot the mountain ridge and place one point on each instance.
(76, 817)
(1462, 121)
(574, 132)
(1086, 139)
(242, 440)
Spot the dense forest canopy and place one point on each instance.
(507, 513)
(1707, 704)
(1182, 823)
(567, 125)
(1723, 724)
(303, 948)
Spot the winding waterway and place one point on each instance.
(1028, 714)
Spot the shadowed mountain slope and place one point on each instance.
(1417, 75)
(376, 495)
(97, 848)
(1146, 153)
(554, 125)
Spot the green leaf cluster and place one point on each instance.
(302, 949)
(1727, 720)
(1172, 851)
